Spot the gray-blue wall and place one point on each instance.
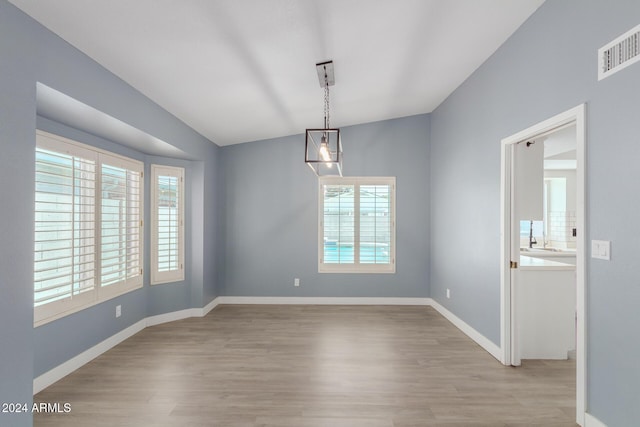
(548, 66)
(29, 54)
(271, 213)
(254, 206)
(17, 144)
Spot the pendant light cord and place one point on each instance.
(326, 99)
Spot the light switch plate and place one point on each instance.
(601, 249)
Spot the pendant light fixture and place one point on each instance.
(323, 147)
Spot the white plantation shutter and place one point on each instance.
(167, 223)
(357, 225)
(134, 225)
(375, 224)
(121, 215)
(88, 230)
(338, 224)
(64, 252)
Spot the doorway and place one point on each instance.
(510, 240)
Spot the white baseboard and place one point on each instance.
(57, 373)
(172, 316)
(324, 300)
(207, 308)
(60, 371)
(480, 339)
(64, 369)
(181, 314)
(591, 421)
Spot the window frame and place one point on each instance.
(174, 275)
(357, 267)
(99, 293)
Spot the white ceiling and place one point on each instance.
(244, 70)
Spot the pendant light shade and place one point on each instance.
(323, 151)
(323, 147)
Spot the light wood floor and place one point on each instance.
(310, 366)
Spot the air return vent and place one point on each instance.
(620, 53)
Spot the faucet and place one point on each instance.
(532, 240)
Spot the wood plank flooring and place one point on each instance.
(310, 366)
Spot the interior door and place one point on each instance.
(514, 252)
(527, 188)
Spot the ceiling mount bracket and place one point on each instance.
(325, 68)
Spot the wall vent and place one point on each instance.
(619, 54)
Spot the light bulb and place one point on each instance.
(324, 150)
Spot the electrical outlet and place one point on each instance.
(118, 310)
(448, 293)
(296, 282)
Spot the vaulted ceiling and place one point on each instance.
(244, 70)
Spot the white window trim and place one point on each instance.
(52, 311)
(356, 267)
(176, 275)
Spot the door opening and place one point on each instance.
(571, 234)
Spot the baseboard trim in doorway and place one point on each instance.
(480, 339)
(591, 421)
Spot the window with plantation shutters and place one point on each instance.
(357, 225)
(88, 229)
(120, 223)
(65, 232)
(167, 224)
